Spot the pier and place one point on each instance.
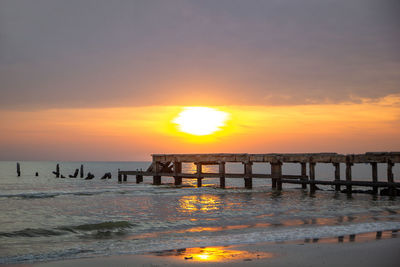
(170, 165)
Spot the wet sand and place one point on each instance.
(384, 252)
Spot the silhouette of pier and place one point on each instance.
(170, 165)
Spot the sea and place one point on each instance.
(44, 218)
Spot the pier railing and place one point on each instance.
(170, 165)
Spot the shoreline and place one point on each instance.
(368, 249)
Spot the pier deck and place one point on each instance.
(170, 165)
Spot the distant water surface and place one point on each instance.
(48, 218)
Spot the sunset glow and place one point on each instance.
(200, 120)
(135, 133)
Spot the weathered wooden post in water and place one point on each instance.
(199, 168)
(18, 170)
(374, 176)
(119, 176)
(82, 171)
(139, 179)
(276, 174)
(221, 174)
(304, 174)
(337, 175)
(313, 188)
(248, 178)
(58, 170)
(392, 189)
(349, 163)
(177, 170)
(156, 177)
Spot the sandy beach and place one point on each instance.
(371, 253)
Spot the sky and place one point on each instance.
(104, 80)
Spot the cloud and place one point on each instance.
(137, 53)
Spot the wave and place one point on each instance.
(99, 226)
(29, 232)
(97, 230)
(52, 194)
(65, 254)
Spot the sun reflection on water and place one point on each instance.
(213, 254)
(203, 203)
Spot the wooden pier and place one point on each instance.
(170, 165)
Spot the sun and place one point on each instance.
(200, 120)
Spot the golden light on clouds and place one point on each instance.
(200, 120)
(137, 132)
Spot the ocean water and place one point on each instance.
(46, 218)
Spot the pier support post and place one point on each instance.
(119, 176)
(199, 167)
(337, 175)
(139, 179)
(348, 176)
(248, 179)
(273, 179)
(276, 173)
(18, 170)
(390, 178)
(222, 174)
(374, 176)
(304, 174)
(177, 170)
(125, 177)
(313, 188)
(156, 177)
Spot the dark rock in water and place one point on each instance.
(89, 176)
(106, 175)
(387, 191)
(36, 174)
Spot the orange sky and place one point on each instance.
(104, 80)
(134, 133)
